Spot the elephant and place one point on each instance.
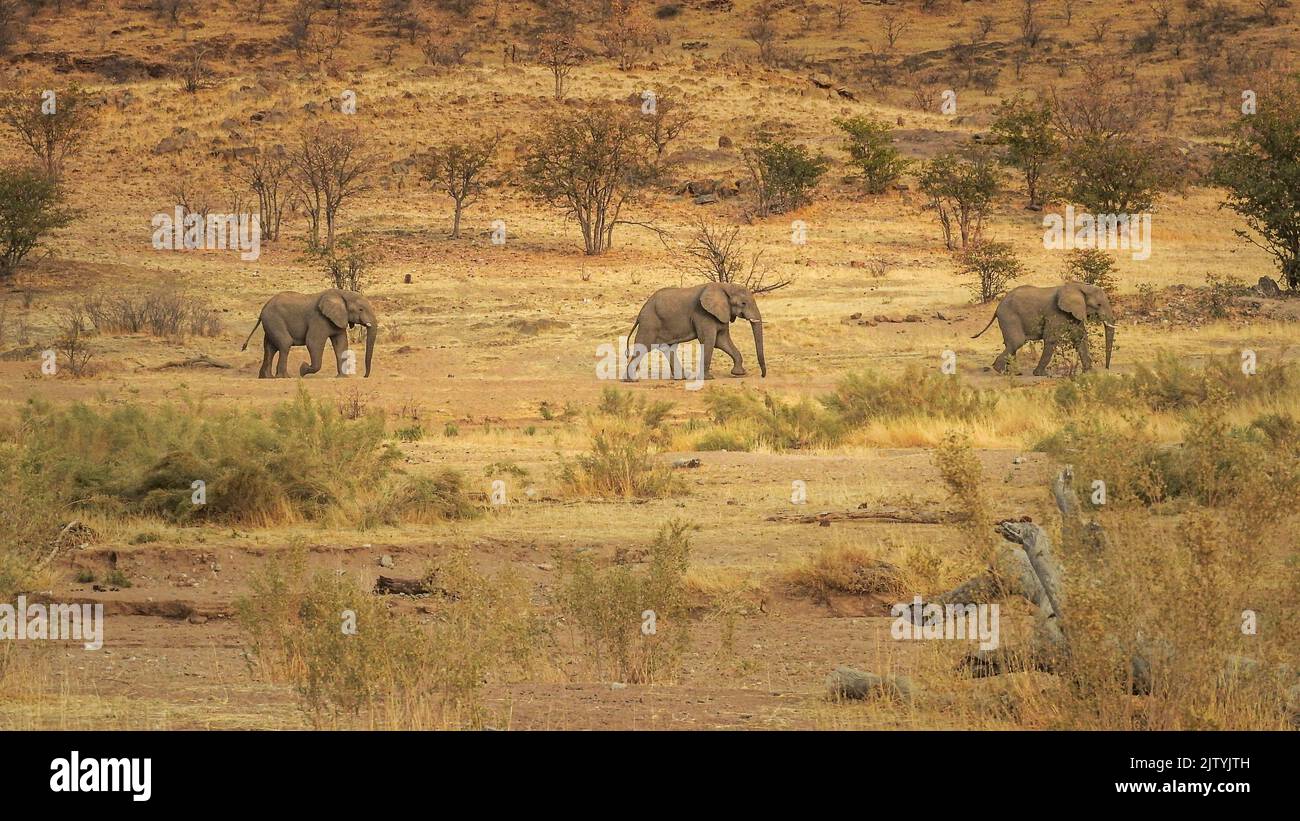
(1030, 312)
(290, 318)
(672, 316)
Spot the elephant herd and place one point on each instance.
(672, 316)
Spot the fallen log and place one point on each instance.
(889, 514)
(195, 361)
(401, 587)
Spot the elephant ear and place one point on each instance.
(714, 299)
(334, 308)
(1070, 299)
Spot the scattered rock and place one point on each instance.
(385, 560)
(848, 683)
(198, 618)
(724, 141)
(821, 80)
(686, 463)
(706, 199)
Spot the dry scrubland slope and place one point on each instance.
(486, 366)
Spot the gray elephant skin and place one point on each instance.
(672, 316)
(290, 318)
(1034, 313)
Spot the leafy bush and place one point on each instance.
(871, 150)
(783, 174)
(991, 267)
(626, 436)
(868, 395)
(1091, 265)
(772, 422)
(305, 461)
(961, 188)
(31, 206)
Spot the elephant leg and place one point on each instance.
(1013, 339)
(1081, 345)
(340, 343)
(315, 347)
(268, 358)
(282, 363)
(1049, 348)
(729, 348)
(707, 336)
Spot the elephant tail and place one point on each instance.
(631, 333)
(986, 327)
(244, 347)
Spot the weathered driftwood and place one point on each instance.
(401, 587)
(888, 514)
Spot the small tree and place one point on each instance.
(1260, 170)
(665, 123)
(628, 33)
(330, 167)
(193, 69)
(11, 24)
(1090, 265)
(52, 124)
(561, 55)
(991, 267)
(589, 163)
(31, 205)
(347, 265)
(718, 254)
(961, 191)
(268, 173)
(456, 169)
(783, 174)
(1029, 141)
(762, 30)
(871, 149)
(1112, 161)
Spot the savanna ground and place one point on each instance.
(486, 367)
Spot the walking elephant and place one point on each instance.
(1033, 313)
(672, 316)
(290, 318)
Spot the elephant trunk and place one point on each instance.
(757, 325)
(371, 332)
(1110, 342)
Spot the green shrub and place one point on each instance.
(871, 150)
(302, 461)
(868, 396)
(1091, 265)
(774, 422)
(626, 436)
(783, 174)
